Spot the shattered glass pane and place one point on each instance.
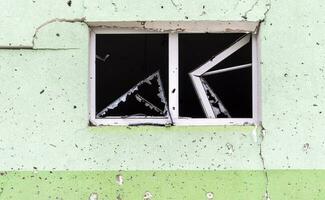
(237, 96)
(218, 108)
(223, 60)
(131, 75)
(239, 57)
(141, 98)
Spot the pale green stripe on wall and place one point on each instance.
(226, 185)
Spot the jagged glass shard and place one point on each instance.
(210, 102)
(234, 88)
(148, 104)
(147, 97)
(218, 108)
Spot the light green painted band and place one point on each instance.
(232, 185)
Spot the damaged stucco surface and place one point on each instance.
(160, 184)
(38, 12)
(44, 98)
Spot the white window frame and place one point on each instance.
(173, 101)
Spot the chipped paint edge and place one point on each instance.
(179, 26)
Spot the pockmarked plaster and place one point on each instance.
(292, 106)
(229, 185)
(44, 97)
(39, 12)
(160, 184)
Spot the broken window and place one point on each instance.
(131, 76)
(215, 72)
(175, 78)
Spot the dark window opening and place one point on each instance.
(227, 85)
(131, 75)
(214, 72)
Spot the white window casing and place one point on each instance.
(173, 73)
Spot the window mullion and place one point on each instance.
(92, 70)
(173, 75)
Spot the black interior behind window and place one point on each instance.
(234, 88)
(123, 61)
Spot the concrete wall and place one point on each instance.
(48, 151)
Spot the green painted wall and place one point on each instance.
(227, 185)
(41, 128)
(161, 184)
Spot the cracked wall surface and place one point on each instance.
(44, 108)
(39, 12)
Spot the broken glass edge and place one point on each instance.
(123, 98)
(201, 70)
(222, 109)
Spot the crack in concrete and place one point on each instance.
(264, 16)
(268, 7)
(77, 20)
(267, 193)
(250, 9)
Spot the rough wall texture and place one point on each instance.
(44, 109)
